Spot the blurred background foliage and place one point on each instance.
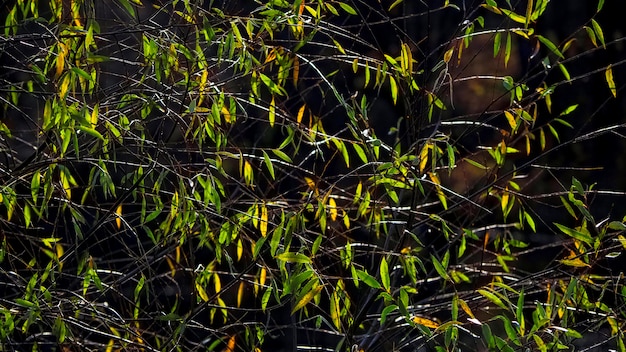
(312, 175)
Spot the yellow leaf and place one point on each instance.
(425, 322)
(239, 249)
(94, 116)
(466, 309)
(448, 55)
(310, 183)
(576, 262)
(217, 283)
(248, 174)
(262, 276)
(510, 118)
(505, 199)
(226, 114)
(609, 80)
(424, 157)
(332, 209)
(64, 86)
(263, 222)
(170, 263)
(300, 114)
(202, 292)
(65, 182)
(118, 218)
(240, 294)
(272, 112)
(622, 240)
(60, 61)
(307, 298)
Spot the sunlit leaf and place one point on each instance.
(368, 279)
(201, 292)
(584, 237)
(493, 298)
(291, 257)
(425, 322)
(608, 73)
(598, 30)
(394, 89)
(545, 41)
(384, 274)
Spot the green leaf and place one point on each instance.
(347, 8)
(367, 278)
(598, 30)
(291, 257)
(545, 41)
(394, 89)
(385, 312)
(279, 153)
(583, 237)
(439, 268)
(507, 49)
(384, 274)
(360, 152)
(268, 164)
(82, 73)
(493, 298)
(496, 44)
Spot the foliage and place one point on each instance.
(236, 176)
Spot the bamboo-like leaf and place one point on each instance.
(598, 30)
(332, 209)
(272, 112)
(493, 298)
(263, 220)
(307, 298)
(424, 156)
(300, 113)
(384, 274)
(202, 292)
(269, 165)
(584, 237)
(347, 8)
(425, 322)
(545, 41)
(291, 257)
(608, 73)
(279, 153)
(118, 218)
(507, 50)
(511, 119)
(439, 268)
(240, 291)
(466, 308)
(394, 89)
(496, 44)
(367, 278)
(575, 262)
(504, 202)
(296, 68)
(529, 12)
